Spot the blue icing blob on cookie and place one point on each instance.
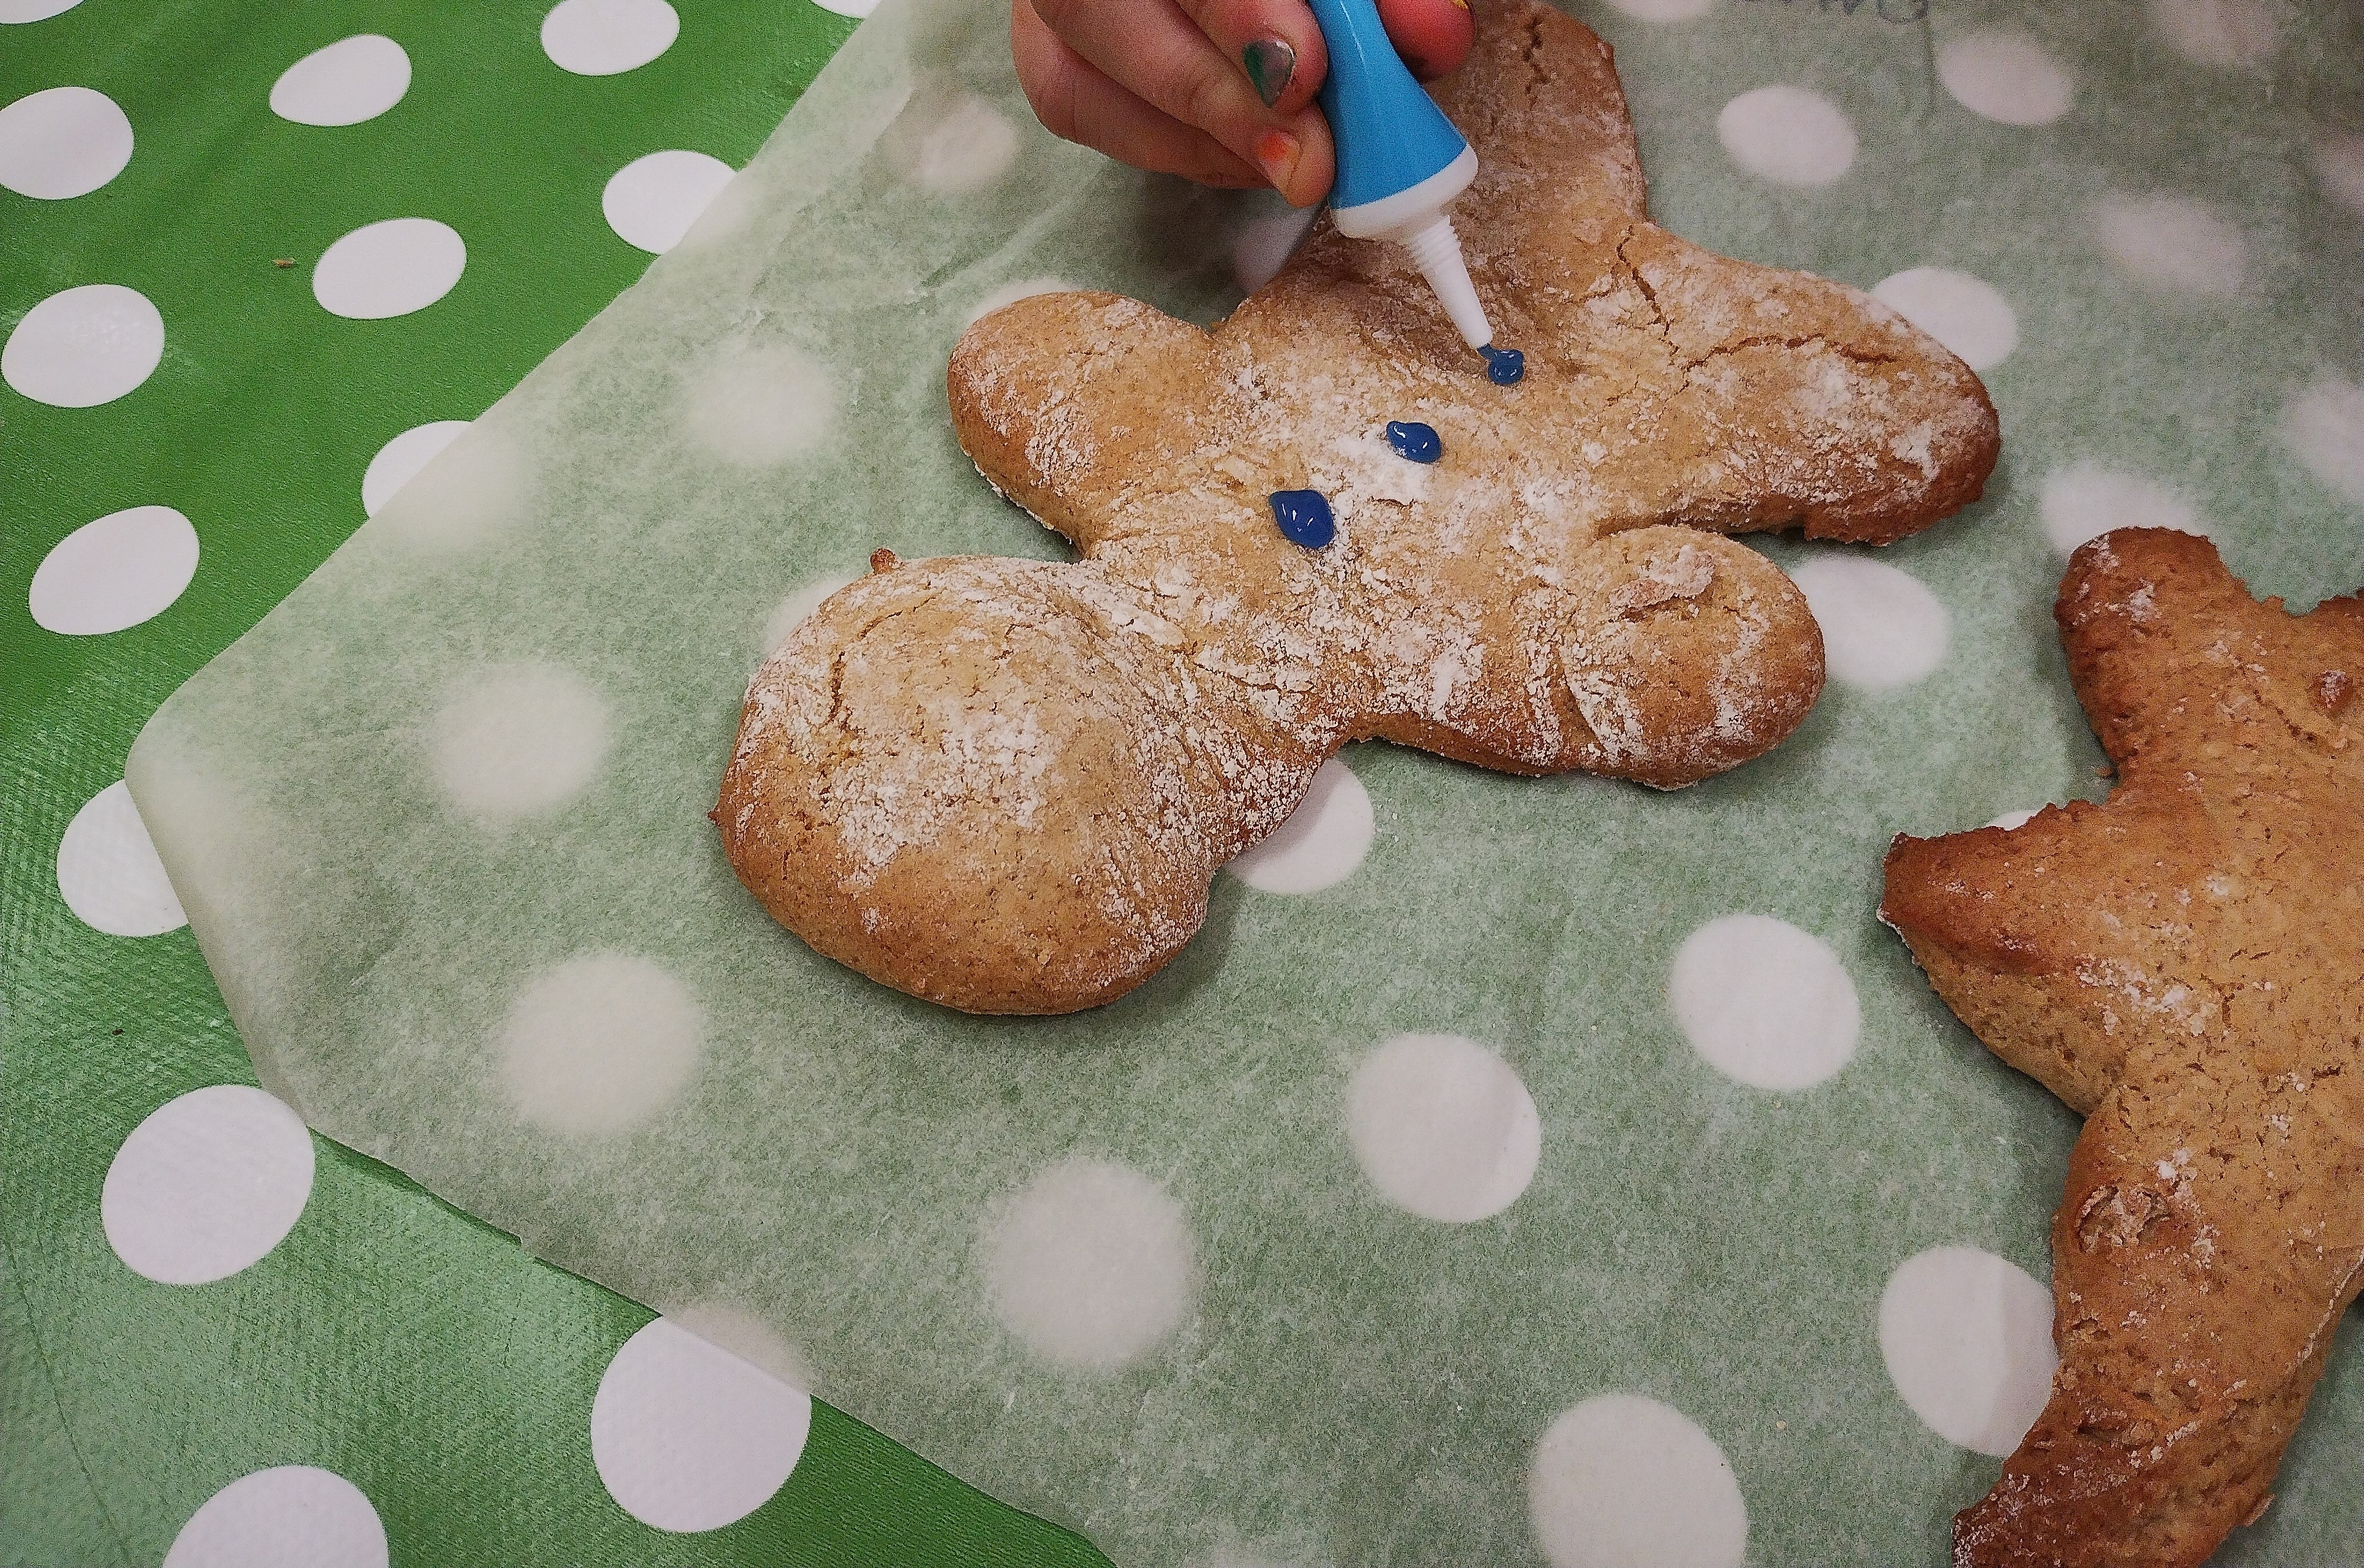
(1503, 366)
(1414, 442)
(1304, 517)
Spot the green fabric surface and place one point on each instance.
(411, 1350)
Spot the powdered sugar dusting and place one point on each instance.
(1522, 602)
(2176, 963)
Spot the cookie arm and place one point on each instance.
(1068, 402)
(2180, 670)
(2007, 924)
(1679, 655)
(2198, 1277)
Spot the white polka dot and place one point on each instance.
(1664, 10)
(689, 1437)
(522, 740)
(1960, 311)
(652, 201)
(796, 608)
(1882, 629)
(1091, 1265)
(729, 215)
(292, 1516)
(62, 142)
(108, 872)
(1011, 293)
(1266, 243)
(34, 10)
(85, 346)
(1624, 1481)
(952, 144)
(207, 1185)
(389, 269)
(1442, 1127)
(749, 1338)
(2006, 76)
(1967, 1339)
(599, 1043)
(2217, 32)
(1787, 135)
(757, 407)
(1764, 1002)
(400, 460)
(856, 8)
(464, 495)
(2086, 500)
(602, 38)
(114, 572)
(351, 81)
(2339, 169)
(2170, 245)
(2325, 427)
(1323, 841)
(2011, 821)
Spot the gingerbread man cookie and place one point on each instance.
(1005, 785)
(2184, 967)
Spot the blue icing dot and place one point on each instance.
(1304, 517)
(1503, 366)
(1414, 442)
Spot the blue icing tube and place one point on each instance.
(1304, 517)
(1400, 160)
(1414, 442)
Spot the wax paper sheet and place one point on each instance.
(1553, 1167)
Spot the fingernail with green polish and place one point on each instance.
(1270, 63)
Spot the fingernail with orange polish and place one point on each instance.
(1277, 152)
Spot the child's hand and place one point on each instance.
(1221, 91)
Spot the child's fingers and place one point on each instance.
(1432, 36)
(1273, 43)
(1152, 50)
(1076, 100)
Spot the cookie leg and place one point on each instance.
(1808, 405)
(2198, 1279)
(992, 783)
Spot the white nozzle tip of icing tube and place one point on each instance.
(1437, 252)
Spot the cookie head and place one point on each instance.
(1001, 721)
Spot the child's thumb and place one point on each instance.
(1432, 36)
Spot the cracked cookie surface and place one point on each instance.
(1005, 785)
(2180, 964)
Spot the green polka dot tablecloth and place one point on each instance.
(1514, 1170)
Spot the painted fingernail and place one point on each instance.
(1277, 152)
(1270, 63)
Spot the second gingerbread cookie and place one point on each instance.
(2179, 963)
(1006, 785)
